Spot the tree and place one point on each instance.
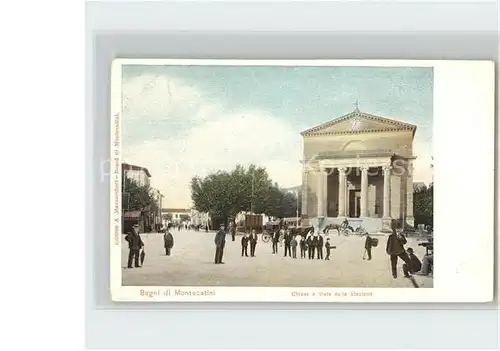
(137, 197)
(225, 194)
(423, 205)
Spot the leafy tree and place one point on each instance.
(225, 194)
(423, 205)
(137, 197)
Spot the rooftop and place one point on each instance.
(358, 122)
(128, 166)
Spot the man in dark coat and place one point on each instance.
(314, 244)
(310, 246)
(253, 243)
(368, 246)
(303, 248)
(287, 240)
(414, 266)
(244, 246)
(233, 232)
(293, 245)
(220, 242)
(276, 240)
(168, 240)
(319, 248)
(135, 244)
(395, 249)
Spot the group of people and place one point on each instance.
(312, 246)
(395, 248)
(309, 246)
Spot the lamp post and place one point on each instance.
(297, 210)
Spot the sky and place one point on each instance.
(182, 121)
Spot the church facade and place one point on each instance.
(360, 167)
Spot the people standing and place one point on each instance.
(303, 247)
(293, 245)
(276, 239)
(220, 242)
(233, 232)
(315, 244)
(287, 239)
(135, 244)
(395, 249)
(368, 246)
(244, 246)
(253, 243)
(168, 240)
(310, 246)
(320, 246)
(328, 247)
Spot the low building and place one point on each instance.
(176, 215)
(199, 218)
(141, 218)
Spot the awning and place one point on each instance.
(132, 214)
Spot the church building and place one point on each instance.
(359, 167)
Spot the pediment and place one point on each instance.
(358, 122)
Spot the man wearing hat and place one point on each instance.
(135, 244)
(220, 242)
(414, 266)
(396, 250)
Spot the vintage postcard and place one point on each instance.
(294, 181)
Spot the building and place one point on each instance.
(140, 174)
(176, 215)
(200, 218)
(157, 216)
(359, 167)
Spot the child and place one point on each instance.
(368, 246)
(328, 247)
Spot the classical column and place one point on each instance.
(387, 192)
(342, 191)
(364, 191)
(305, 186)
(409, 195)
(322, 192)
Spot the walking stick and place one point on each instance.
(364, 253)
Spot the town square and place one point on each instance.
(192, 264)
(247, 185)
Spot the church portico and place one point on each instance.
(353, 178)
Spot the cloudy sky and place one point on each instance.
(181, 121)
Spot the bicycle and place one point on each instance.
(359, 231)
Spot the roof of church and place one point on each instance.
(358, 122)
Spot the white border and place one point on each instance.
(463, 151)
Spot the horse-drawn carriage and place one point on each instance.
(272, 227)
(345, 229)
